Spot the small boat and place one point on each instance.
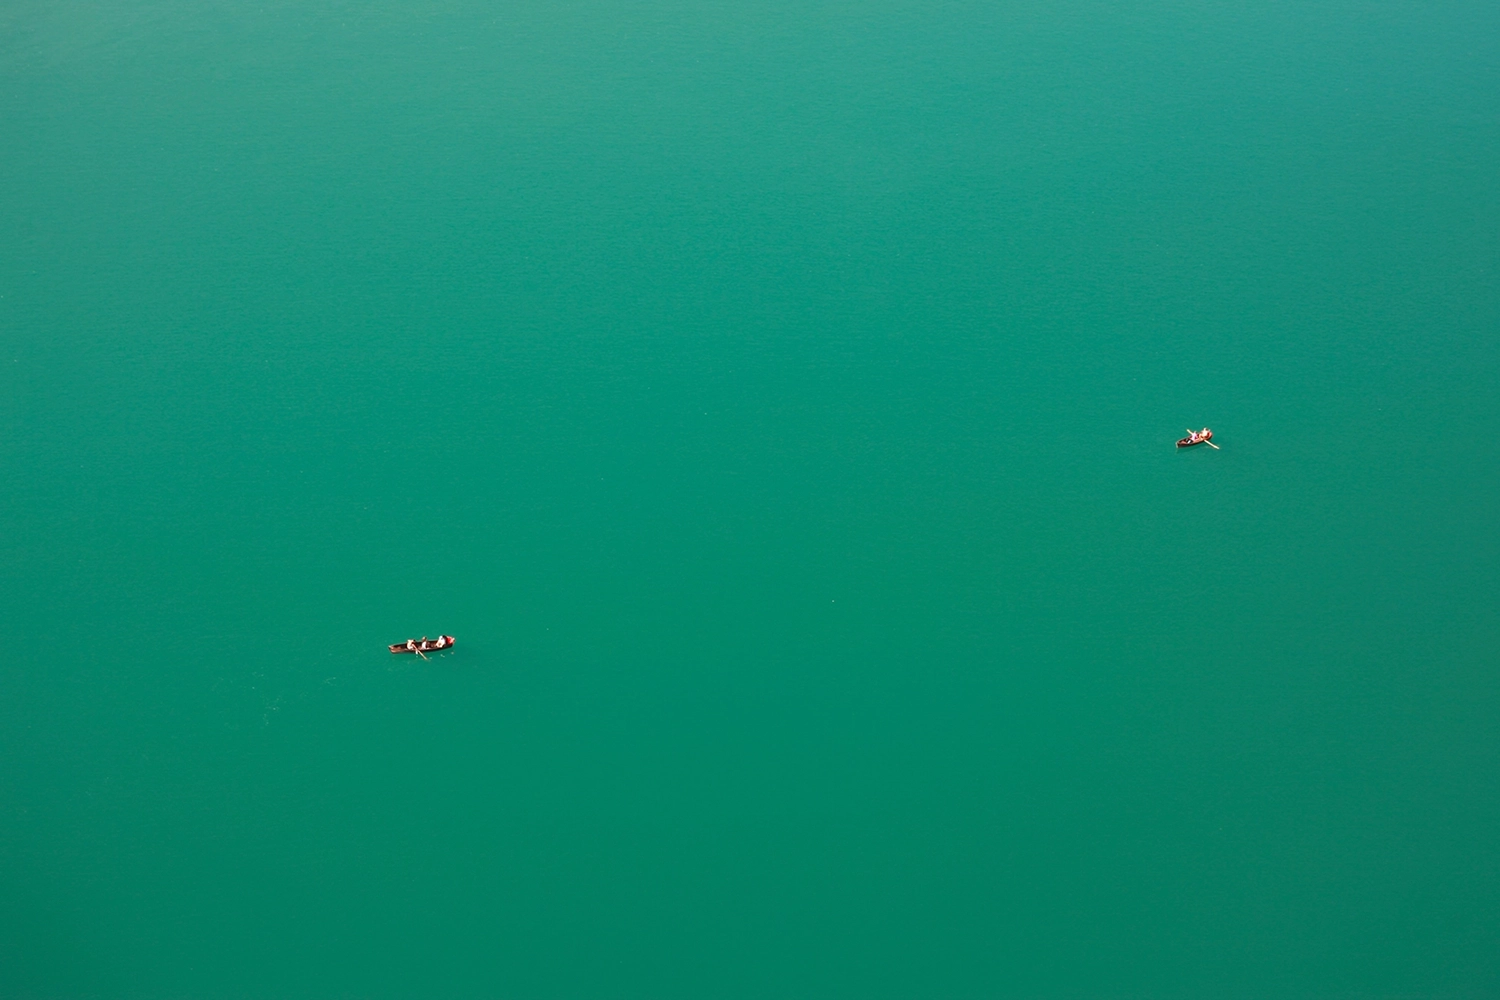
(423, 645)
(1204, 436)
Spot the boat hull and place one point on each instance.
(424, 645)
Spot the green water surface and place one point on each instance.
(777, 401)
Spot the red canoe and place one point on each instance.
(423, 645)
(1196, 437)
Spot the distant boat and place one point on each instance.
(423, 645)
(1198, 437)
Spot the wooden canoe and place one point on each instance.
(423, 645)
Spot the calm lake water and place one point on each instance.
(777, 401)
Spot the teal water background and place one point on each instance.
(777, 402)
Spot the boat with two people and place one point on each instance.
(424, 645)
(1205, 436)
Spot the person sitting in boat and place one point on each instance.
(411, 644)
